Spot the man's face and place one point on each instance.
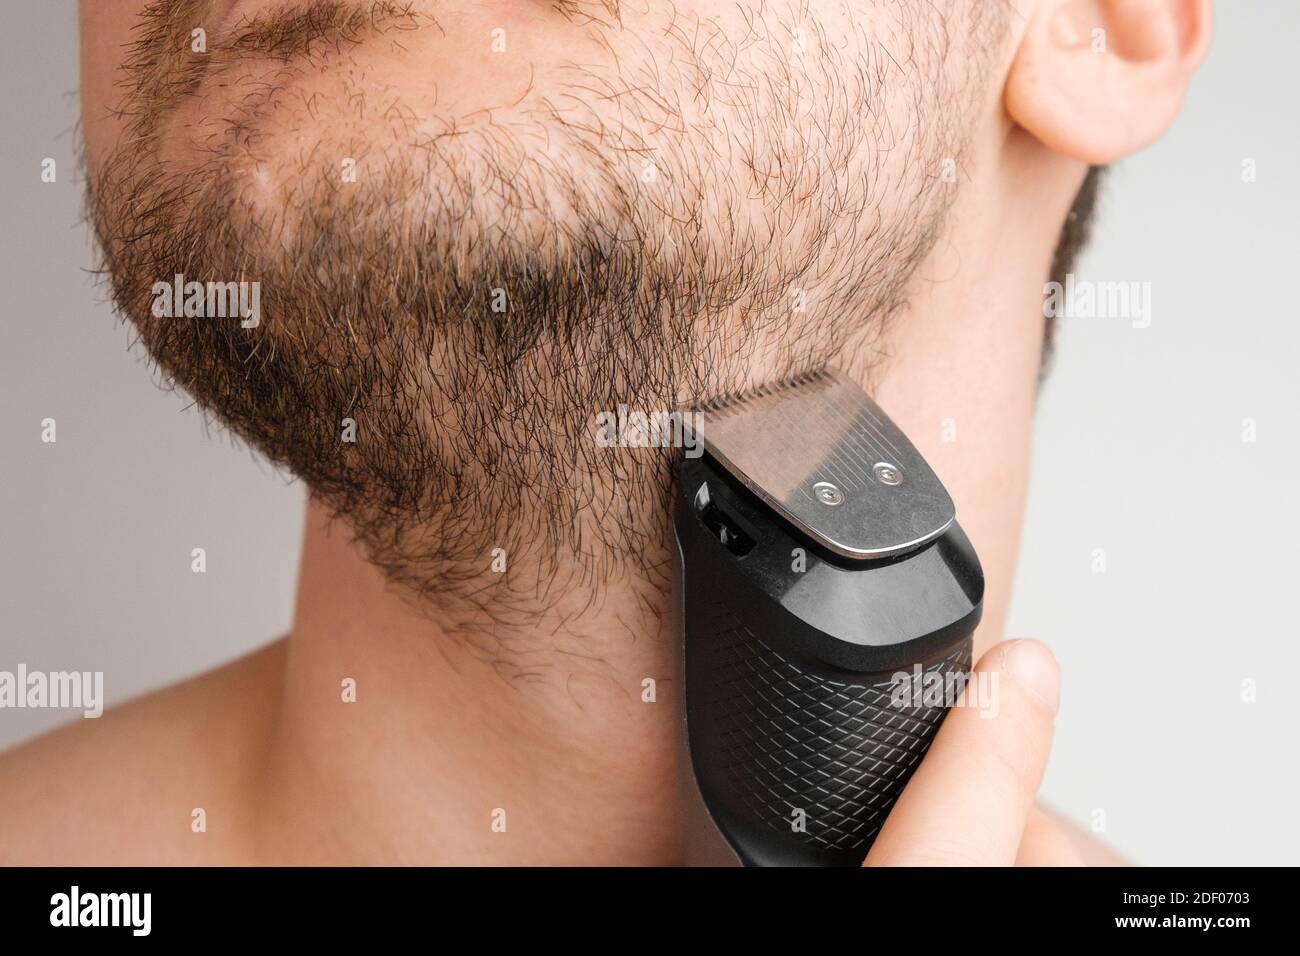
(475, 226)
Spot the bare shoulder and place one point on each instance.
(123, 788)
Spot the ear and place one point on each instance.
(1096, 80)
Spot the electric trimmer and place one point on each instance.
(825, 590)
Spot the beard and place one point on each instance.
(692, 212)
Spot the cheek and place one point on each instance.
(402, 86)
(105, 28)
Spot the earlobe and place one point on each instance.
(1096, 80)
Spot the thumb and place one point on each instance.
(968, 802)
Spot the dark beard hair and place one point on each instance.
(475, 428)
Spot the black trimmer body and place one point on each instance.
(814, 679)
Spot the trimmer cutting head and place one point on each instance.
(824, 456)
(819, 564)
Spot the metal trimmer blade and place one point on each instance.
(828, 460)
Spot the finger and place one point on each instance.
(1046, 838)
(1046, 843)
(968, 802)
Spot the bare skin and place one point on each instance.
(441, 735)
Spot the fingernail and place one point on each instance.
(1034, 667)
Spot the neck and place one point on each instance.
(454, 735)
(502, 743)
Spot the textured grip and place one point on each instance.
(813, 684)
(815, 755)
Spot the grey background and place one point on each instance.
(1139, 452)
